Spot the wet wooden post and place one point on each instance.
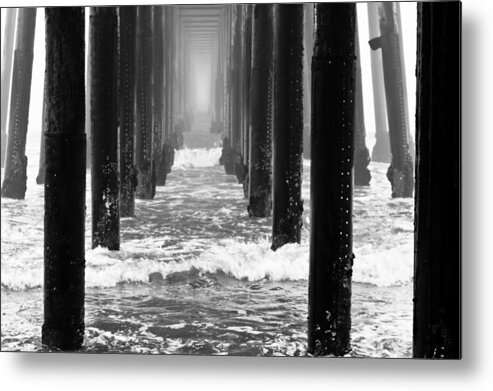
(381, 149)
(261, 100)
(7, 52)
(238, 94)
(246, 95)
(88, 104)
(40, 179)
(287, 208)
(158, 85)
(229, 141)
(362, 176)
(15, 176)
(127, 91)
(143, 140)
(410, 138)
(331, 256)
(307, 75)
(237, 108)
(167, 152)
(104, 128)
(400, 172)
(65, 185)
(437, 262)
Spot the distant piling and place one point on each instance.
(400, 172)
(146, 175)
(104, 128)
(287, 206)
(362, 176)
(127, 91)
(65, 185)
(331, 256)
(7, 54)
(15, 176)
(40, 179)
(247, 61)
(381, 149)
(168, 150)
(158, 86)
(437, 261)
(261, 100)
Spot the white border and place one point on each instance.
(474, 372)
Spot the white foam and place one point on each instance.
(252, 261)
(196, 158)
(393, 266)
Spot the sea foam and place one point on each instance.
(196, 158)
(251, 261)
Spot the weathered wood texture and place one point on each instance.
(15, 176)
(7, 54)
(331, 256)
(146, 175)
(437, 264)
(104, 128)
(40, 179)
(400, 172)
(127, 93)
(65, 185)
(381, 149)
(261, 111)
(158, 86)
(362, 176)
(287, 207)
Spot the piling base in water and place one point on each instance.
(14, 185)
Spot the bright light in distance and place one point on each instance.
(201, 76)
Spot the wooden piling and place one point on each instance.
(40, 179)
(261, 100)
(331, 256)
(400, 172)
(437, 261)
(104, 131)
(7, 54)
(15, 175)
(158, 86)
(362, 176)
(287, 208)
(146, 175)
(65, 185)
(381, 149)
(127, 91)
(167, 151)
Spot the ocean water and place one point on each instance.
(219, 288)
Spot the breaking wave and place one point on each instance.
(250, 261)
(196, 158)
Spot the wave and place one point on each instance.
(196, 158)
(250, 261)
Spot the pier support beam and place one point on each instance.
(15, 176)
(158, 87)
(288, 126)
(128, 58)
(331, 256)
(381, 149)
(362, 176)
(437, 263)
(40, 179)
(400, 172)
(65, 185)
(104, 130)
(146, 176)
(261, 100)
(7, 51)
